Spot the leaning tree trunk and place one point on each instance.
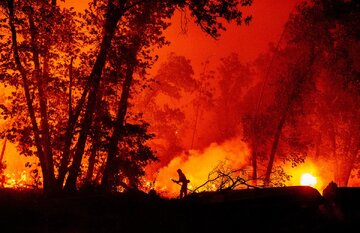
(275, 144)
(291, 101)
(3, 151)
(95, 146)
(289, 105)
(73, 116)
(91, 162)
(294, 94)
(112, 17)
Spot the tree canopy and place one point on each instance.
(72, 76)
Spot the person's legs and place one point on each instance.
(183, 191)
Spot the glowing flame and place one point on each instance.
(308, 180)
(310, 174)
(198, 164)
(15, 180)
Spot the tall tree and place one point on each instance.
(39, 22)
(43, 34)
(314, 32)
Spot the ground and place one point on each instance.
(291, 209)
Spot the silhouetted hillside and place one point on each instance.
(287, 209)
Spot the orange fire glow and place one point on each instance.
(198, 164)
(15, 174)
(309, 173)
(308, 180)
(16, 181)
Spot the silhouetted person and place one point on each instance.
(184, 182)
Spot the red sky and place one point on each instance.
(269, 17)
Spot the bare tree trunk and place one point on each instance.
(112, 17)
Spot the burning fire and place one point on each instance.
(308, 180)
(311, 174)
(198, 164)
(15, 180)
(15, 174)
